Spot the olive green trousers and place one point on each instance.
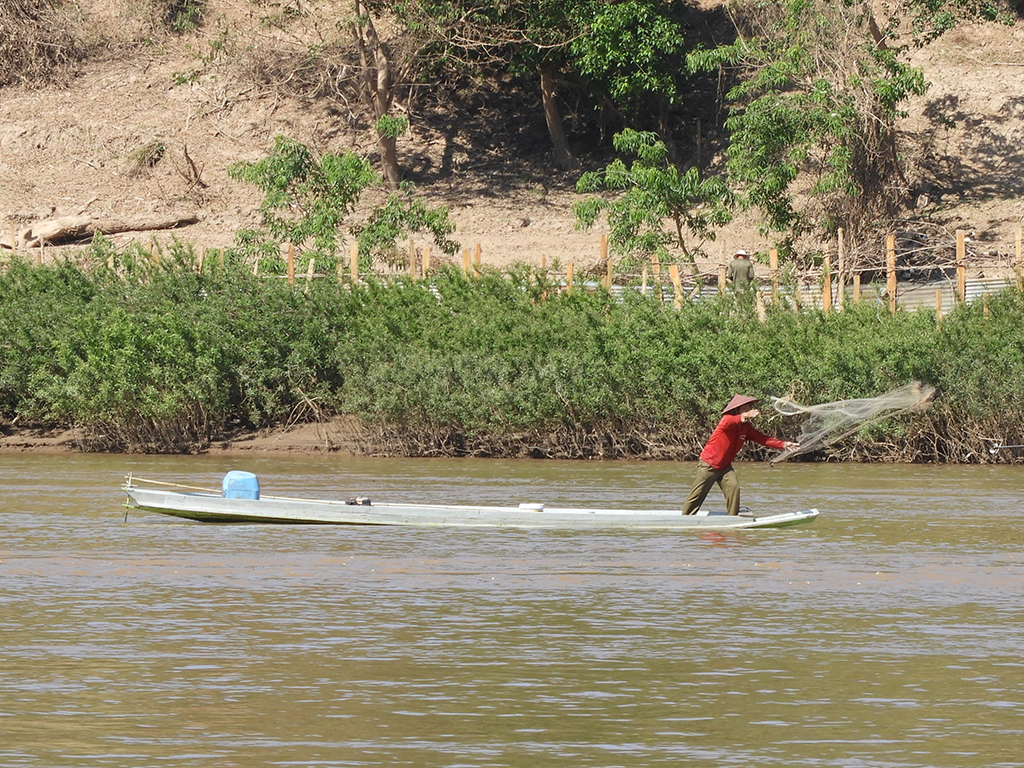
(707, 476)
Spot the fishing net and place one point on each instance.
(828, 423)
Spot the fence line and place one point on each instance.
(820, 288)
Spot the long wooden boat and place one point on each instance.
(213, 506)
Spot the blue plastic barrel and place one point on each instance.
(241, 485)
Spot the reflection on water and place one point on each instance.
(885, 634)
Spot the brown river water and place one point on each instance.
(887, 634)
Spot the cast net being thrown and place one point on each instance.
(828, 423)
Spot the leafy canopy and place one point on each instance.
(652, 192)
(401, 215)
(306, 198)
(629, 48)
(816, 94)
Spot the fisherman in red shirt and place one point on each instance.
(715, 465)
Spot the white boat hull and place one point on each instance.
(211, 507)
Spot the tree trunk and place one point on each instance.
(389, 160)
(378, 88)
(563, 157)
(68, 229)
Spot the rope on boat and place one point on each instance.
(171, 485)
(132, 479)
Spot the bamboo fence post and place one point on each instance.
(339, 272)
(856, 289)
(353, 262)
(220, 258)
(643, 282)
(426, 261)
(984, 306)
(721, 278)
(467, 261)
(656, 271)
(604, 260)
(961, 267)
(759, 306)
(841, 269)
(412, 259)
(773, 267)
(938, 308)
(202, 260)
(826, 286)
(1020, 263)
(154, 254)
(609, 275)
(309, 273)
(477, 260)
(677, 284)
(291, 264)
(568, 278)
(890, 268)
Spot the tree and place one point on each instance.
(627, 48)
(652, 191)
(819, 90)
(519, 36)
(306, 198)
(633, 50)
(401, 215)
(931, 18)
(378, 80)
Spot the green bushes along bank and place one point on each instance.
(144, 357)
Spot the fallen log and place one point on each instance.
(70, 229)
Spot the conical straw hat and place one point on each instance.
(739, 401)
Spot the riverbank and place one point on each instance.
(336, 436)
(157, 358)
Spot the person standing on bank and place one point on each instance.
(715, 465)
(741, 270)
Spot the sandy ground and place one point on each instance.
(340, 435)
(74, 151)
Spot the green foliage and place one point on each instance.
(181, 16)
(154, 356)
(630, 48)
(933, 18)
(651, 191)
(391, 126)
(401, 215)
(816, 97)
(306, 198)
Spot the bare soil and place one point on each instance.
(81, 149)
(341, 434)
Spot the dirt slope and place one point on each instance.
(80, 149)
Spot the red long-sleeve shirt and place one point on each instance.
(727, 439)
